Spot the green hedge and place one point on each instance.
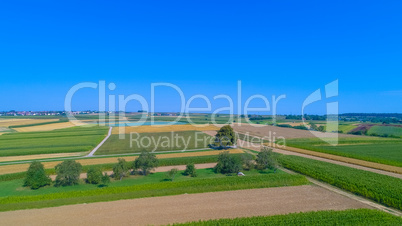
(380, 188)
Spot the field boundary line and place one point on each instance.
(101, 143)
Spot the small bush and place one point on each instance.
(94, 175)
(190, 170)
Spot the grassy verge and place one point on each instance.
(331, 217)
(147, 187)
(380, 188)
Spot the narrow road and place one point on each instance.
(101, 143)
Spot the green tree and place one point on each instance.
(266, 159)
(146, 162)
(105, 179)
(36, 176)
(225, 137)
(68, 173)
(171, 174)
(227, 164)
(247, 160)
(190, 170)
(120, 169)
(94, 175)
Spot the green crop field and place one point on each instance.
(13, 196)
(166, 141)
(331, 217)
(373, 149)
(346, 128)
(76, 139)
(385, 131)
(380, 188)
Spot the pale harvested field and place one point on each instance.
(163, 128)
(49, 127)
(18, 122)
(187, 207)
(292, 123)
(23, 167)
(41, 156)
(287, 133)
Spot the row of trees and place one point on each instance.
(229, 164)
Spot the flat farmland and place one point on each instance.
(162, 141)
(379, 150)
(79, 139)
(163, 128)
(385, 131)
(19, 122)
(49, 127)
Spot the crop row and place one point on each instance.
(380, 188)
(331, 217)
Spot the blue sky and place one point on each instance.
(204, 47)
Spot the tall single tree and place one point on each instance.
(146, 162)
(36, 176)
(225, 137)
(68, 173)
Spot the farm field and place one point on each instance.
(78, 139)
(344, 217)
(385, 131)
(164, 128)
(211, 205)
(48, 127)
(140, 186)
(380, 188)
(164, 141)
(373, 149)
(23, 121)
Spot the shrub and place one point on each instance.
(36, 176)
(227, 164)
(247, 161)
(266, 159)
(105, 179)
(171, 174)
(94, 175)
(190, 170)
(68, 173)
(120, 169)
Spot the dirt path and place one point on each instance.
(101, 143)
(159, 169)
(187, 207)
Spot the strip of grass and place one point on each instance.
(69, 140)
(379, 150)
(385, 131)
(380, 188)
(189, 185)
(331, 217)
(165, 141)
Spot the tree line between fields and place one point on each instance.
(68, 172)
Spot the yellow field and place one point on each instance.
(48, 127)
(18, 122)
(157, 129)
(23, 167)
(41, 156)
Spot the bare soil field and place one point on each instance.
(49, 127)
(287, 133)
(187, 207)
(163, 128)
(94, 161)
(18, 122)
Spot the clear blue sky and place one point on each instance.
(204, 47)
